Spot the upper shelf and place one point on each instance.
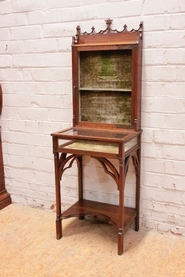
(105, 89)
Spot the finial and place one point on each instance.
(108, 22)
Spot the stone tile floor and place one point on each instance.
(28, 248)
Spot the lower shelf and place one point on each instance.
(108, 211)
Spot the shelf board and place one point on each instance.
(93, 208)
(99, 147)
(105, 89)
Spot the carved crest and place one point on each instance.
(106, 31)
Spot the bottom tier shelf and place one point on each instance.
(108, 211)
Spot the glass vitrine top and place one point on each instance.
(94, 133)
(104, 141)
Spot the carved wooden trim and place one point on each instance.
(66, 162)
(136, 163)
(106, 164)
(108, 30)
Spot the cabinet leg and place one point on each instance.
(58, 227)
(137, 223)
(80, 179)
(120, 241)
(136, 163)
(137, 201)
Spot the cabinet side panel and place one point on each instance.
(75, 86)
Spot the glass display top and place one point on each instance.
(94, 133)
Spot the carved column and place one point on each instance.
(5, 199)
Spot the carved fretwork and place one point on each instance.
(111, 170)
(106, 164)
(136, 163)
(66, 162)
(127, 160)
(107, 30)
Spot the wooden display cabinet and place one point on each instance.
(106, 70)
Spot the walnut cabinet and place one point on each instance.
(106, 83)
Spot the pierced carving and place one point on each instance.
(66, 162)
(136, 163)
(107, 30)
(127, 160)
(109, 168)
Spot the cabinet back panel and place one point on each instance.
(105, 84)
(106, 107)
(106, 69)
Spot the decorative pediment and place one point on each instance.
(108, 30)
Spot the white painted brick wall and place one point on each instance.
(35, 73)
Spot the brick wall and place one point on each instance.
(35, 73)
